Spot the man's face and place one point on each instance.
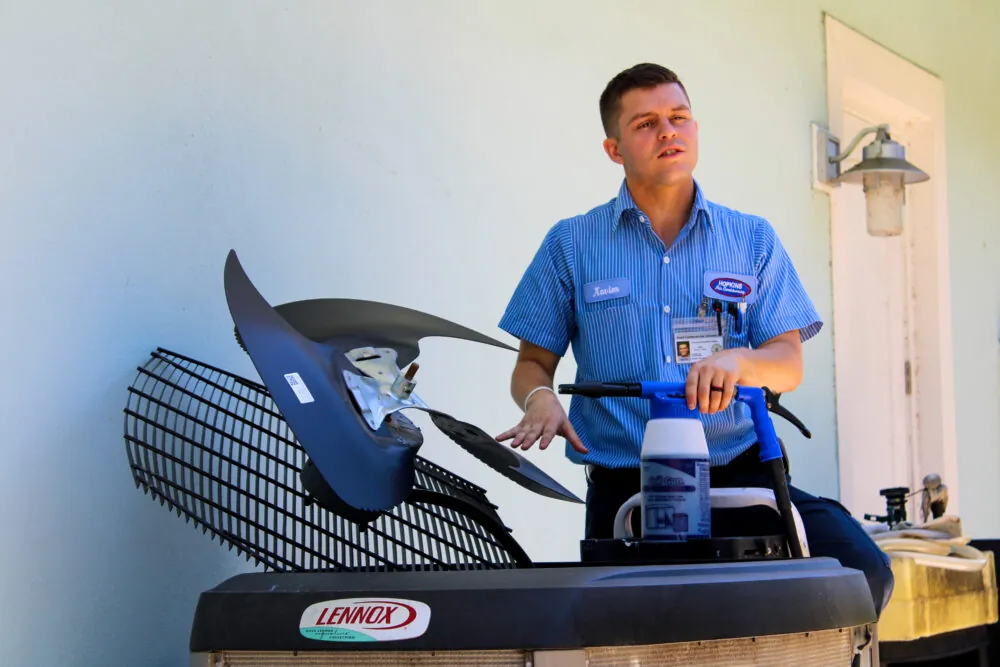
(657, 139)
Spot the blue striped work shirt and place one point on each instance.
(629, 339)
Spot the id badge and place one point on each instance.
(696, 338)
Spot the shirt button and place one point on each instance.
(668, 359)
(666, 309)
(666, 259)
(642, 218)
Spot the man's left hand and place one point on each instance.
(711, 382)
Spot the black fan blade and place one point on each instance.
(351, 323)
(503, 459)
(368, 470)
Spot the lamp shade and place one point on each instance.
(883, 156)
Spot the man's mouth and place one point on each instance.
(670, 152)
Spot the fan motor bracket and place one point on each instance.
(383, 389)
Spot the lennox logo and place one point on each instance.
(365, 620)
(730, 287)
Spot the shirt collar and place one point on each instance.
(624, 205)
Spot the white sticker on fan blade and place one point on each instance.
(299, 387)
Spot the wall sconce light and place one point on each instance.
(883, 172)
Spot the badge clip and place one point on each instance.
(717, 307)
(738, 312)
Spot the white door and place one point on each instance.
(873, 357)
(891, 296)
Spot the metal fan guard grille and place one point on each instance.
(214, 447)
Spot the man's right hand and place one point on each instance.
(544, 418)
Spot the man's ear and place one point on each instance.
(611, 148)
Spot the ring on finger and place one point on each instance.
(715, 394)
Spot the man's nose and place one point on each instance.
(667, 129)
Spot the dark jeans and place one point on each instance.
(830, 529)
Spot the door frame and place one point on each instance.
(866, 78)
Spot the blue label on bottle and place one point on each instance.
(676, 498)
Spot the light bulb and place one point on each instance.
(884, 203)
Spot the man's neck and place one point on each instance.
(668, 206)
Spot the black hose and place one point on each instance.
(785, 506)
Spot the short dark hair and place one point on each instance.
(643, 75)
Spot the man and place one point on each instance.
(659, 268)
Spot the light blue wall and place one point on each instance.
(378, 150)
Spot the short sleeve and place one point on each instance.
(541, 309)
(782, 303)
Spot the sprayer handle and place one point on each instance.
(767, 438)
(600, 389)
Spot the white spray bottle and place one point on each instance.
(674, 471)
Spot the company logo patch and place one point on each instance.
(730, 287)
(365, 620)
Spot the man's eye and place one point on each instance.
(646, 124)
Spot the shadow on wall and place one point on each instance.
(132, 570)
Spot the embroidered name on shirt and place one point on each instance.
(602, 290)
